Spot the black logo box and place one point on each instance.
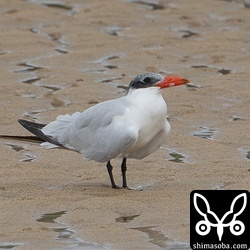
(220, 202)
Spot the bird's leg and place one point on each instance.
(124, 180)
(109, 168)
(124, 169)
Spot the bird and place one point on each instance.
(132, 126)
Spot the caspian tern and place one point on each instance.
(132, 126)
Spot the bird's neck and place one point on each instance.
(144, 91)
(149, 99)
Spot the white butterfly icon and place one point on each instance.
(203, 227)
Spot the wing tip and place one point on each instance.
(35, 128)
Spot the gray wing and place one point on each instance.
(100, 133)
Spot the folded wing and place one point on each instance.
(99, 133)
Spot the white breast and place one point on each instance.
(148, 114)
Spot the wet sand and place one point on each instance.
(61, 58)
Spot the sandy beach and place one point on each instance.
(59, 57)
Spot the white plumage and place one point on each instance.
(132, 126)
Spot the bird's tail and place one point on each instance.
(36, 129)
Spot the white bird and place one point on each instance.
(132, 126)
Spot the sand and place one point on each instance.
(67, 56)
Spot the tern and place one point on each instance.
(132, 126)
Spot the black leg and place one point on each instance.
(124, 169)
(109, 168)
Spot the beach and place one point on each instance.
(59, 57)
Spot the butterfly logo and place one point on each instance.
(203, 227)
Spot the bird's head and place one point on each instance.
(156, 80)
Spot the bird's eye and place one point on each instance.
(147, 79)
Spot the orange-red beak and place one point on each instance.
(171, 81)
